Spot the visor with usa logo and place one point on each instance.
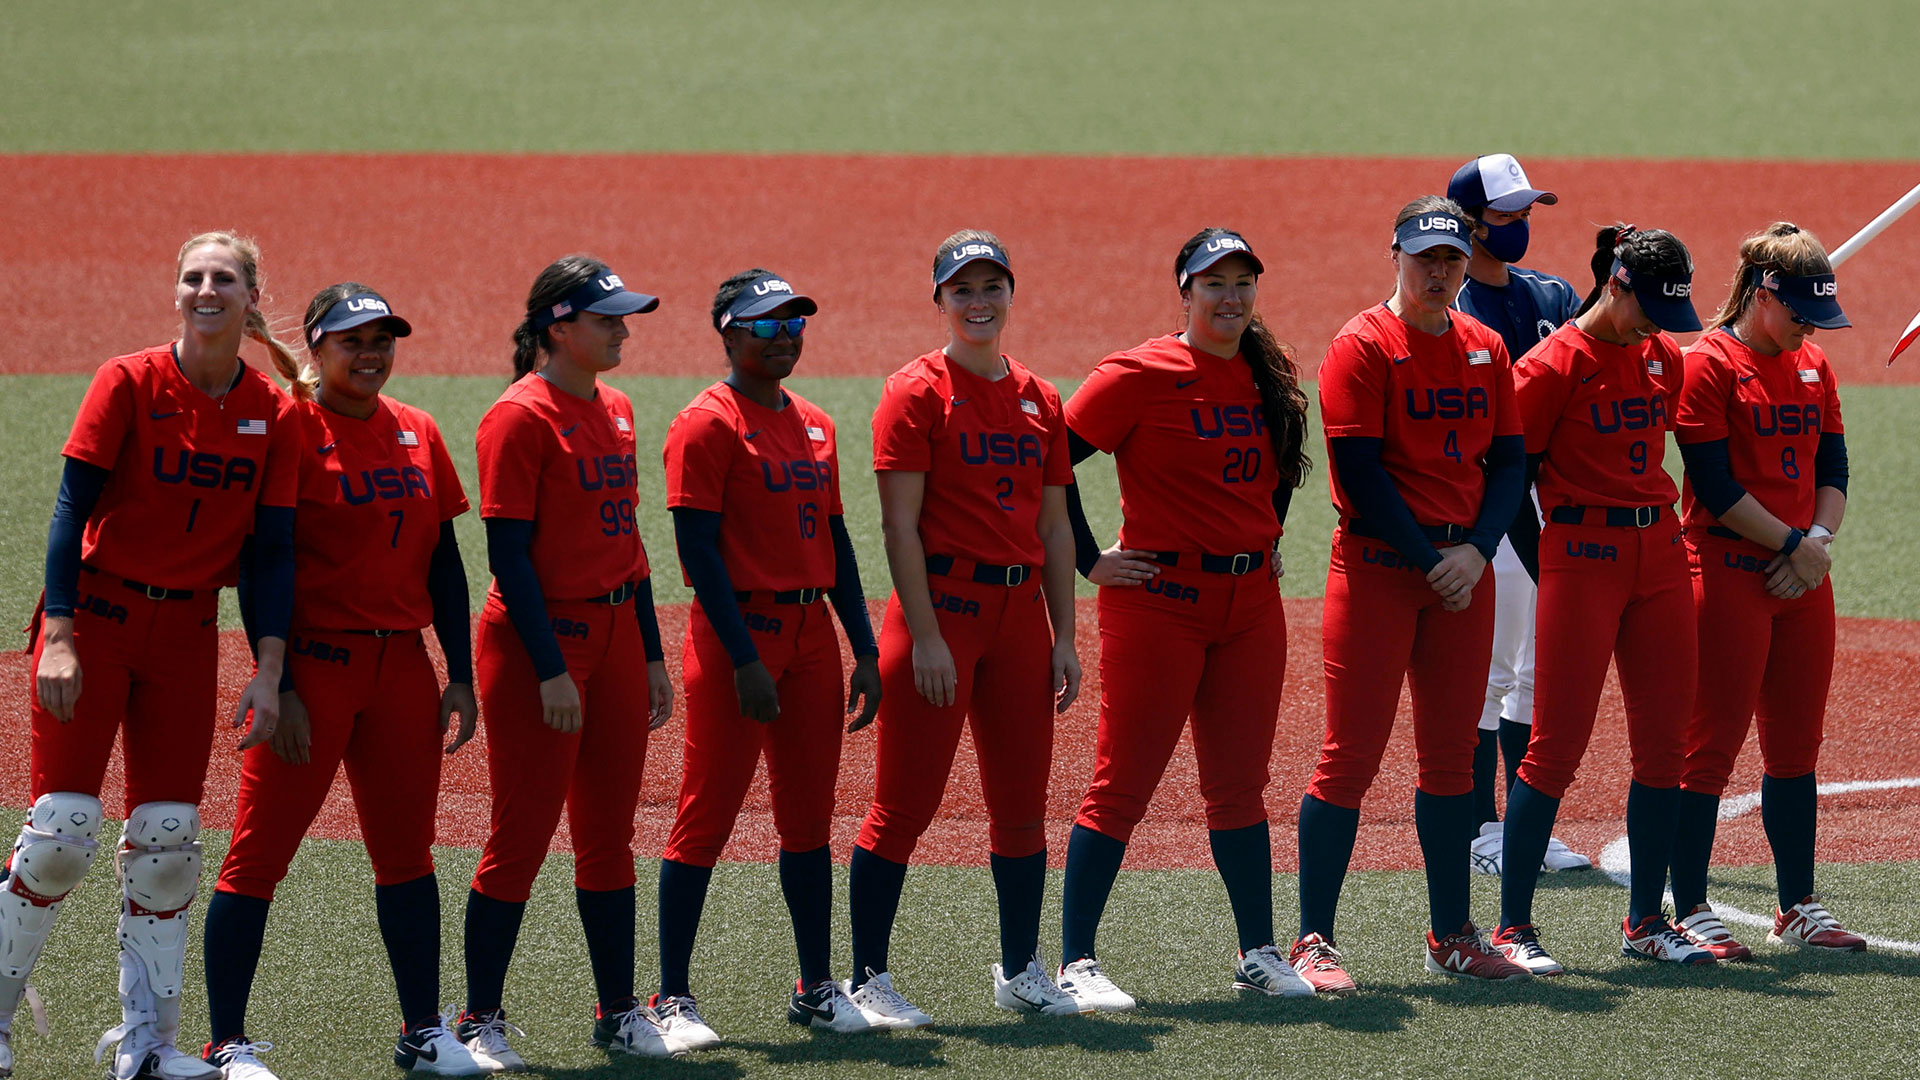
(1813, 297)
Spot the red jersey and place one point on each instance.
(1191, 446)
(373, 493)
(1435, 401)
(567, 465)
(1600, 413)
(1772, 411)
(188, 470)
(987, 447)
(772, 475)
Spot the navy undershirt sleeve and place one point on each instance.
(1086, 549)
(696, 533)
(507, 543)
(1282, 502)
(1524, 533)
(1366, 481)
(1506, 471)
(849, 600)
(447, 586)
(80, 487)
(1710, 472)
(1830, 462)
(272, 571)
(649, 621)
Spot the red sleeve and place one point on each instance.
(1831, 422)
(1058, 469)
(106, 415)
(903, 425)
(511, 443)
(1673, 367)
(1506, 406)
(1103, 410)
(446, 479)
(1542, 392)
(282, 485)
(1705, 389)
(699, 454)
(1353, 389)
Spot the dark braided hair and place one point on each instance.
(559, 279)
(1641, 251)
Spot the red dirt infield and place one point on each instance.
(1869, 725)
(454, 241)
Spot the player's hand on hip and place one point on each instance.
(759, 697)
(262, 698)
(659, 695)
(292, 736)
(863, 684)
(1120, 566)
(933, 671)
(458, 698)
(560, 703)
(1458, 572)
(57, 679)
(1273, 560)
(1066, 675)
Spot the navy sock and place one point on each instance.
(1445, 825)
(1093, 861)
(873, 899)
(493, 928)
(806, 879)
(1019, 884)
(1327, 833)
(409, 915)
(683, 895)
(1530, 814)
(607, 917)
(1788, 809)
(1245, 860)
(236, 927)
(1694, 825)
(1486, 769)
(1650, 814)
(1513, 748)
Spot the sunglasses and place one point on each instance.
(1788, 308)
(768, 329)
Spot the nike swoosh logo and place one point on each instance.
(751, 434)
(960, 401)
(1589, 378)
(566, 431)
(328, 449)
(1179, 385)
(164, 415)
(1401, 359)
(1749, 378)
(824, 1014)
(427, 1052)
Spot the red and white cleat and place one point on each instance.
(1466, 955)
(1318, 962)
(1702, 927)
(1655, 939)
(1810, 925)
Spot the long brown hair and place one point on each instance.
(561, 277)
(1641, 251)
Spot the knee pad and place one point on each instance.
(159, 862)
(51, 857)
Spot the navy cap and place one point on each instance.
(1215, 248)
(961, 255)
(1422, 231)
(357, 310)
(1813, 297)
(1667, 299)
(603, 294)
(1495, 181)
(761, 295)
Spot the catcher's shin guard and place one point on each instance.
(51, 857)
(159, 864)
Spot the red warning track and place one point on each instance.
(455, 240)
(1870, 719)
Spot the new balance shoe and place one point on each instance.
(485, 1037)
(1521, 944)
(1318, 962)
(237, 1059)
(885, 1007)
(1464, 954)
(1485, 851)
(1810, 925)
(681, 1022)
(432, 1048)
(1267, 972)
(1086, 984)
(1656, 939)
(1031, 991)
(826, 1007)
(1702, 927)
(631, 1029)
(1561, 857)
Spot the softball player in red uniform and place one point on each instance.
(375, 561)
(1207, 429)
(178, 453)
(753, 480)
(1598, 397)
(569, 655)
(1428, 465)
(1759, 426)
(971, 453)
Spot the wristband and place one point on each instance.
(1794, 536)
(1819, 531)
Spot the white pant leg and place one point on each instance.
(1510, 673)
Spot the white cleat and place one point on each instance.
(1655, 939)
(435, 1050)
(1561, 857)
(1030, 991)
(239, 1059)
(884, 1006)
(1486, 848)
(826, 1007)
(681, 1022)
(635, 1031)
(1265, 970)
(485, 1037)
(1085, 983)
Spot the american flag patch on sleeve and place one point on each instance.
(622, 423)
(817, 434)
(1476, 357)
(252, 427)
(1809, 374)
(1656, 367)
(408, 438)
(1031, 408)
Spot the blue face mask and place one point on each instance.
(1508, 242)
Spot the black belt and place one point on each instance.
(791, 596)
(362, 633)
(1244, 563)
(1723, 532)
(620, 595)
(1619, 517)
(983, 573)
(1439, 534)
(151, 592)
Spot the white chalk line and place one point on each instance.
(1615, 861)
